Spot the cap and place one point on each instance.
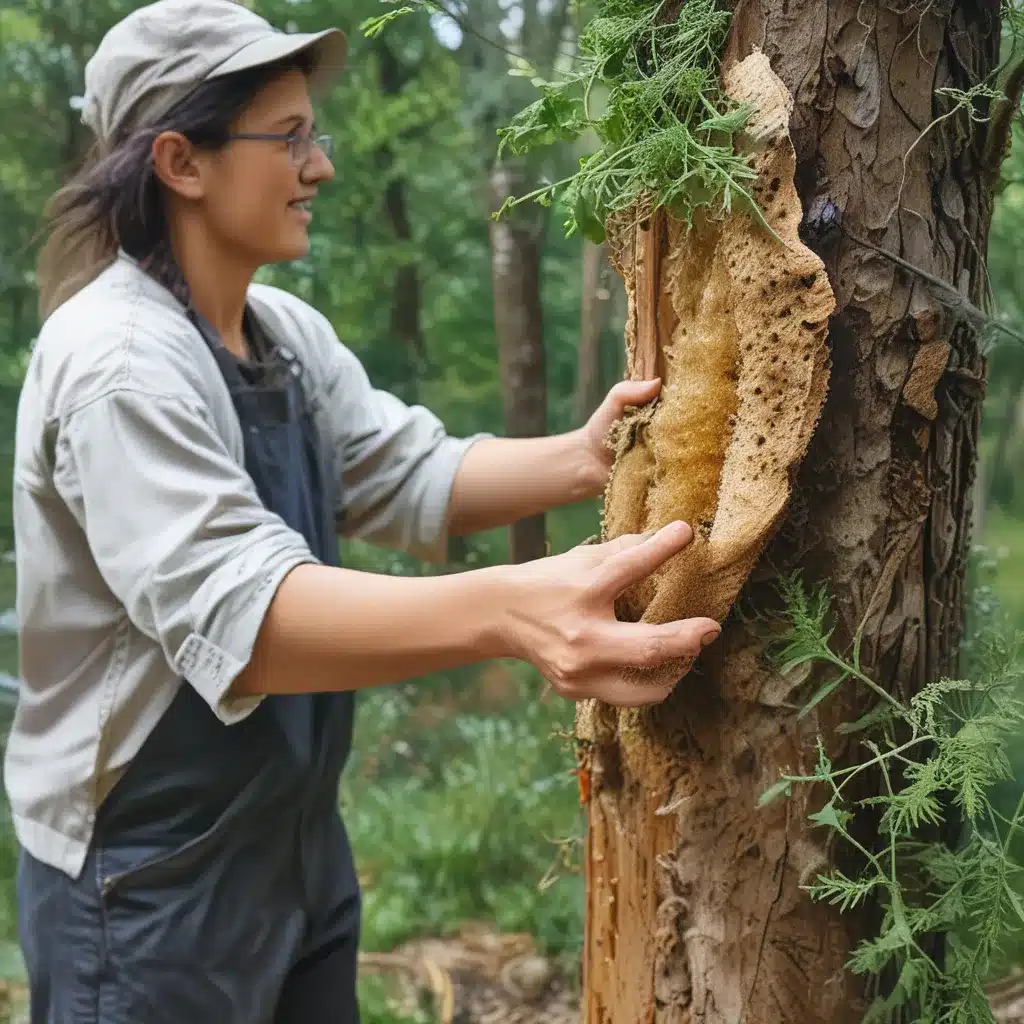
(159, 53)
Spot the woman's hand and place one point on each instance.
(593, 434)
(333, 629)
(561, 619)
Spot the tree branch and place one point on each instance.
(953, 298)
(1001, 123)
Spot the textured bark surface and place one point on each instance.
(516, 247)
(694, 908)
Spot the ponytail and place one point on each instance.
(113, 197)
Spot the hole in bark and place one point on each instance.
(776, 183)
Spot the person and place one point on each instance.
(189, 446)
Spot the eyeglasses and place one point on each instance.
(300, 147)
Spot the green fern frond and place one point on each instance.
(943, 750)
(838, 890)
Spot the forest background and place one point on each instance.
(460, 797)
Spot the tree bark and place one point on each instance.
(516, 248)
(694, 906)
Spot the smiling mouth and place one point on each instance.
(302, 204)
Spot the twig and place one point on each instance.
(956, 300)
(469, 29)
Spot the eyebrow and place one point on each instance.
(294, 120)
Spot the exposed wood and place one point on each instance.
(655, 318)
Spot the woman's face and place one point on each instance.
(251, 196)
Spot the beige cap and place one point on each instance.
(159, 53)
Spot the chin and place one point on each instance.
(287, 250)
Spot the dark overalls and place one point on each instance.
(219, 887)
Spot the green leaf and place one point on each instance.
(822, 692)
(587, 219)
(372, 27)
(1015, 902)
(838, 890)
(831, 817)
(781, 788)
(878, 715)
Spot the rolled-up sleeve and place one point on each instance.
(397, 463)
(177, 531)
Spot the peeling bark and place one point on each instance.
(694, 907)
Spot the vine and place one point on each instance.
(944, 750)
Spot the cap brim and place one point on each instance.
(329, 50)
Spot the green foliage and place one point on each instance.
(376, 1006)
(665, 127)
(373, 27)
(940, 864)
(474, 818)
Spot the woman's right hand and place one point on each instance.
(561, 619)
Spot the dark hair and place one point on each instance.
(116, 199)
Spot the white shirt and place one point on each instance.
(144, 554)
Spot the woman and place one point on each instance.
(187, 444)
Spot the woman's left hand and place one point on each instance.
(594, 433)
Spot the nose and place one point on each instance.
(318, 168)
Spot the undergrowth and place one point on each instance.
(462, 815)
(931, 765)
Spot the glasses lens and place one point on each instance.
(302, 147)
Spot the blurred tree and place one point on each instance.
(526, 38)
(1005, 412)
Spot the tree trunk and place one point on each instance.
(694, 906)
(516, 248)
(406, 300)
(1001, 480)
(593, 315)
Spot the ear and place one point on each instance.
(177, 165)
